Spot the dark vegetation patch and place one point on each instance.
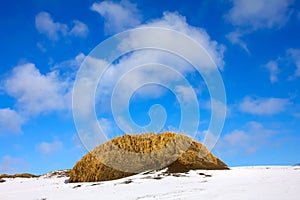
(127, 181)
(94, 184)
(178, 175)
(205, 175)
(76, 186)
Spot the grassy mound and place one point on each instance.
(23, 175)
(131, 154)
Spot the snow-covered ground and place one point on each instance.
(280, 182)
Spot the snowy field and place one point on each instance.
(280, 182)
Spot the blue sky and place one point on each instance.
(255, 45)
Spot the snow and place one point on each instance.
(264, 182)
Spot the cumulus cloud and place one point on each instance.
(258, 14)
(249, 16)
(246, 140)
(263, 106)
(130, 73)
(177, 22)
(235, 38)
(45, 24)
(10, 121)
(138, 58)
(187, 93)
(79, 29)
(54, 30)
(118, 16)
(37, 93)
(294, 57)
(291, 59)
(69, 68)
(273, 69)
(50, 147)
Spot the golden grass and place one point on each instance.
(22, 175)
(131, 154)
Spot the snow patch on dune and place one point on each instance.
(263, 182)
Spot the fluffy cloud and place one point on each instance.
(263, 106)
(68, 68)
(158, 73)
(50, 147)
(132, 71)
(187, 93)
(258, 14)
(54, 30)
(177, 22)
(37, 93)
(235, 38)
(79, 29)
(294, 57)
(138, 58)
(45, 24)
(244, 141)
(291, 58)
(248, 16)
(118, 17)
(10, 121)
(273, 69)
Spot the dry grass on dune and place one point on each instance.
(22, 175)
(131, 154)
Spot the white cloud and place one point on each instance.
(257, 14)
(157, 73)
(291, 60)
(50, 147)
(273, 69)
(45, 24)
(263, 106)
(83, 104)
(130, 71)
(187, 93)
(248, 16)
(294, 57)
(79, 29)
(118, 16)
(245, 141)
(54, 30)
(12, 165)
(69, 67)
(108, 128)
(37, 93)
(41, 47)
(236, 137)
(235, 38)
(177, 22)
(10, 121)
